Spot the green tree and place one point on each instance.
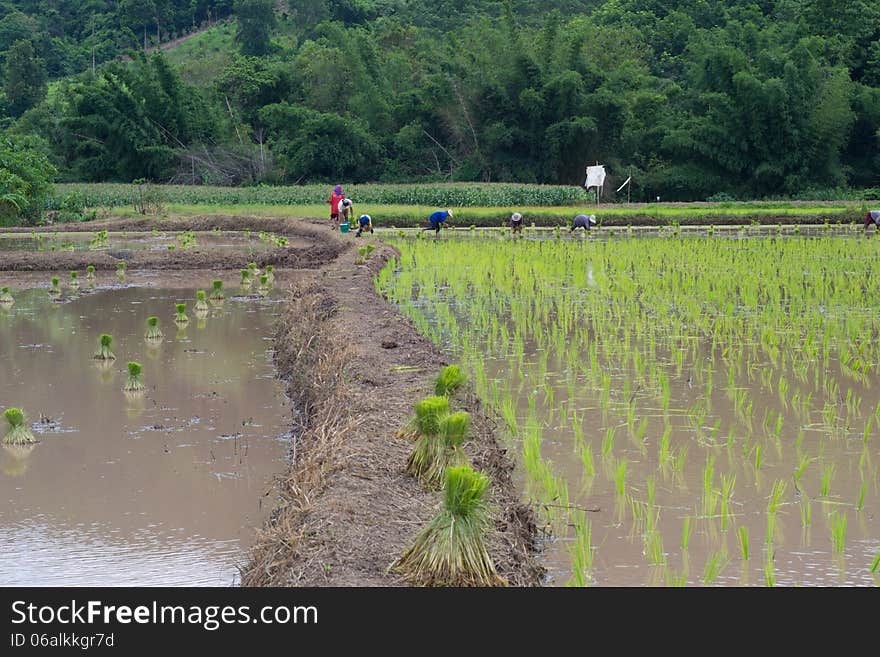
(25, 179)
(256, 20)
(25, 78)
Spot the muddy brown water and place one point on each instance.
(163, 489)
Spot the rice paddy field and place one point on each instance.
(686, 412)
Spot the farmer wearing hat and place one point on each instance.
(438, 219)
(873, 217)
(516, 223)
(584, 221)
(346, 211)
(334, 200)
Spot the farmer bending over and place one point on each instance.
(364, 223)
(346, 211)
(438, 219)
(584, 221)
(516, 223)
(873, 217)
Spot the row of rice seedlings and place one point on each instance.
(533, 299)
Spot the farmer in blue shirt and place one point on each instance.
(365, 222)
(437, 219)
(583, 221)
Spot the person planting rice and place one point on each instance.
(872, 217)
(346, 210)
(334, 201)
(584, 221)
(516, 223)
(365, 222)
(438, 219)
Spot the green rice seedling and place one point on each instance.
(586, 455)
(90, 272)
(104, 352)
(55, 290)
(827, 477)
(801, 468)
(450, 379)
(687, 531)
(777, 491)
(727, 484)
(135, 382)
(769, 573)
(863, 489)
(452, 432)
(838, 532)
(875, 564)
(710, 495)
(18, 433)
(806, 512)
(120, 270)
(270, 272)
(581, 551)
(253, 269)
(664, 453)
(608, 442)
(246, 278)
(450, 550)
(153, 332)
(264, 283)
(180, 316)
(620, 478)
(715, 565)
(6, 296)
(653, 548)
(428, 413)
(744, 542)
(201, 305)
(74, 279)
(758, 457)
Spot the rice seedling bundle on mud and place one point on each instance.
(153, 333)
(433, 453)
(74, 279)
(104, 352)
(6, 297)
(17, 433)
(90, 273)
(246, 278)
(451, 549)
(450, 379)
(180, 316)
(217, 291)
(201, 305)
(135, 381)
(270, 272)
(55, 290)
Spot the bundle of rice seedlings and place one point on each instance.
(104, 352)
(270, 272)
(180, 316)
(153, 330)
(55, 290)
(217, 291)
(19, 433)
(120, 270)
(264, 283)
(450, 550)
(201, 304)
(246, 278)
(135, 382)
(426, 420)
(74, 279)
(6, 297)
(432, 455)
(90, 273)
(254, 271)
(449, 380)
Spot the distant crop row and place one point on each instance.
(444, 195)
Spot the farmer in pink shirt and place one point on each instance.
(334, 200)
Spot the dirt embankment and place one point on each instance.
(309, 247)
(354, 367)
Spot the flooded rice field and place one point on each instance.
(162, 487)
(700, 415)
(250, 242)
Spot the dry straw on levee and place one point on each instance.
(450, 550)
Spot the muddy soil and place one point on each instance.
(356, 366)
(308, 248)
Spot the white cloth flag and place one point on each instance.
(595, 176)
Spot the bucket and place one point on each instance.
(343, 228)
